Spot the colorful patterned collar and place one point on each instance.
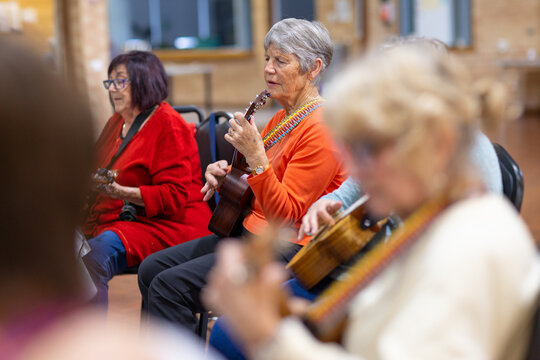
(288, 123)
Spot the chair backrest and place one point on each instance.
(222, 149)
(512, 177)
(186, 109)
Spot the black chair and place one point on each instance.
(186, 109)
(216, 149)
(512, 177)
(211, 148)
(513, 187)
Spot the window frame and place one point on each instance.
(217, 53)
(461, 19)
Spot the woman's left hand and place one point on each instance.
(112, 190)
(117, 191)
(245, 137)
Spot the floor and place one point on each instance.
(521, 140)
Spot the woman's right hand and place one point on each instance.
(214, 175)
(320, 213)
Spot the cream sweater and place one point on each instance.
(466, 290)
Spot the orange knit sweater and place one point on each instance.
(304, 165)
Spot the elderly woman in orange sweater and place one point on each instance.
(294, 162)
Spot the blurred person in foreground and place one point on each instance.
(483, 159)
(459, 279)
(482, 153)
(46, 154)
(155, 201)
(294, 161)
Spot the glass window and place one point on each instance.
(448, 21)
(186, 24)
(300, 9)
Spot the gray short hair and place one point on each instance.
(412, 40)
(308, 40)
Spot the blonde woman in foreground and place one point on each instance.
(460, 278)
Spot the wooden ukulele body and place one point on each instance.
(235, 193)
(332, 246)
(234, 202)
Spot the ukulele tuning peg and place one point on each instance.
(366, 223)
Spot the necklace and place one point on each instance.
(288, 123)
(122, 131)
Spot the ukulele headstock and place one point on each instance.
(256, 104)
(104, 176)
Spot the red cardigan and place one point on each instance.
(163, 161)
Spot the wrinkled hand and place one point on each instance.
(320, 213)
(245, 137)
(235, 293)
(214, 175)
(116, 191)
(113, 190)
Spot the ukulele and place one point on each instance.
(334, 245)
(101, 177)
(235, 193)
(260, 250)
(104, 176)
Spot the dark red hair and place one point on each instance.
(147, 77)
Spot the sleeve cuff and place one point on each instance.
(253, 180)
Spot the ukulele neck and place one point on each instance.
(239, 160)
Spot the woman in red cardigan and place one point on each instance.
(155, 201)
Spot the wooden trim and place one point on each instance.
(202, 54)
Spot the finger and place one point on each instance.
(331, 209)
(230, 139)
(229, 255)
(219, 172)
(211, 180)
(216, 170)
(235, 126)
(273, 275)
(304, 228)
(205, 187)
(334, 206)
(252, 123)
(211, 166)
(222, 164)
(240, 119)
(208, 194)
(326, 218)
(301, 233)
(313, 224)
(298, 306)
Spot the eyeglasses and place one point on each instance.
(119, 84)
(365, 151)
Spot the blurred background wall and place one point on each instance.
(213, 48)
